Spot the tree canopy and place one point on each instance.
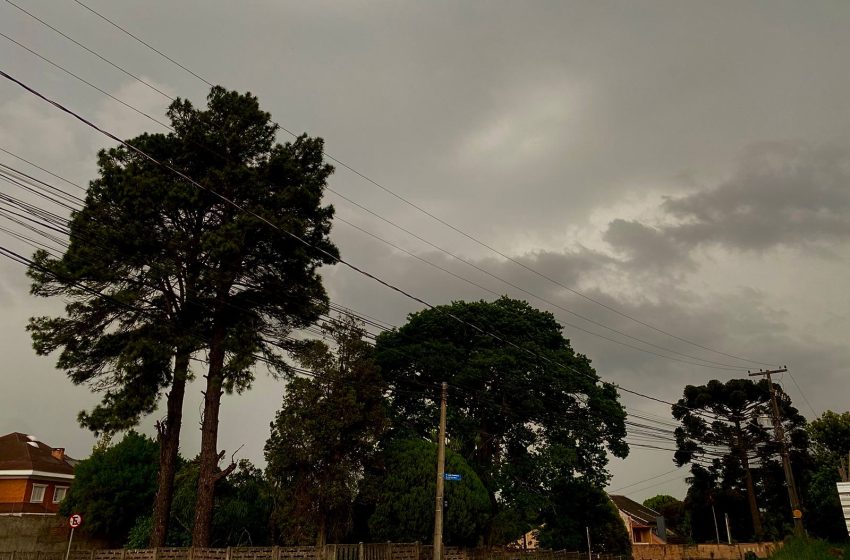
(325, 434)
(674, 512)
(243, 505)
(161, 267)
(114, 486)
(830, 439)
(404, 505)
(577, 505)
(525, 414)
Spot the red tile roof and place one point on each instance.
(19, 452)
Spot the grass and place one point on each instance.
(811, 549)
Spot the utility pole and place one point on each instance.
(716, 528)
(796, 512)
(441, 473)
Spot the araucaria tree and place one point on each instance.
(527, 415)
(726, 427)
(160, 269)
(325, 435)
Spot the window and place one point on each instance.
(59, 494)
(38, 493)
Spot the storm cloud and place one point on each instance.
(686, 164)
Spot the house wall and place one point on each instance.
(46, 504)
(701, 551)
(16, 496)
(12, 491)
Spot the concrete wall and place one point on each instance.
(45, 533)
(701, 551)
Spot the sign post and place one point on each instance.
(74, 521)
(451, 476)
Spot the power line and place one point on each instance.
(62, 221)
(88, 83)
(423, 210)
(306, 243)
(82, 46)
(707, 364)
(148, 45)
(639, 482)
(802, 394)
(502, 409)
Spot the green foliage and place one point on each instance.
(825, 517)
(325, 434)
(809, 549)
(523, 423)
(721, 435)
(575, 506)
(404, 508)
(114, 486)
(167, 256)
(241, 515)
(674, 512)
(830, 437)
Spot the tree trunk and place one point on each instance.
(209, 475)
(322, 532)
(751, 492)
(168, 436)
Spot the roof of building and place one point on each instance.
(20, 452)
(635, 510)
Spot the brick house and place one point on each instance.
(34, 477)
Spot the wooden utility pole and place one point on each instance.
(796, 511)
(441, 473)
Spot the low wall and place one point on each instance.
(371, 551)
(701, 551)
(43, 533)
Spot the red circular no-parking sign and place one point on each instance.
(75, 520)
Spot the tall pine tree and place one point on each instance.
(159, 270)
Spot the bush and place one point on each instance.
(809, 549)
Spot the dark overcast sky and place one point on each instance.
(686, 163)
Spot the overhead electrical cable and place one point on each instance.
(707, 363)
(386, 189)
(94, 242)
(307, 244)
(430, 214)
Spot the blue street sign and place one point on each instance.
(451, 476)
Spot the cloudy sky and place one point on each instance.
(687, 164)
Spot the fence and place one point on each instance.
(372, 551)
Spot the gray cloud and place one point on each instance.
(542, 128)
(646, 247)
(789, 194)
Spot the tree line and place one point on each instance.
(167, 279)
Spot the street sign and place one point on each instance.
(74, 521)
(451, 476)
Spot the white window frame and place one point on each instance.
(56, 490)
(35, 487)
